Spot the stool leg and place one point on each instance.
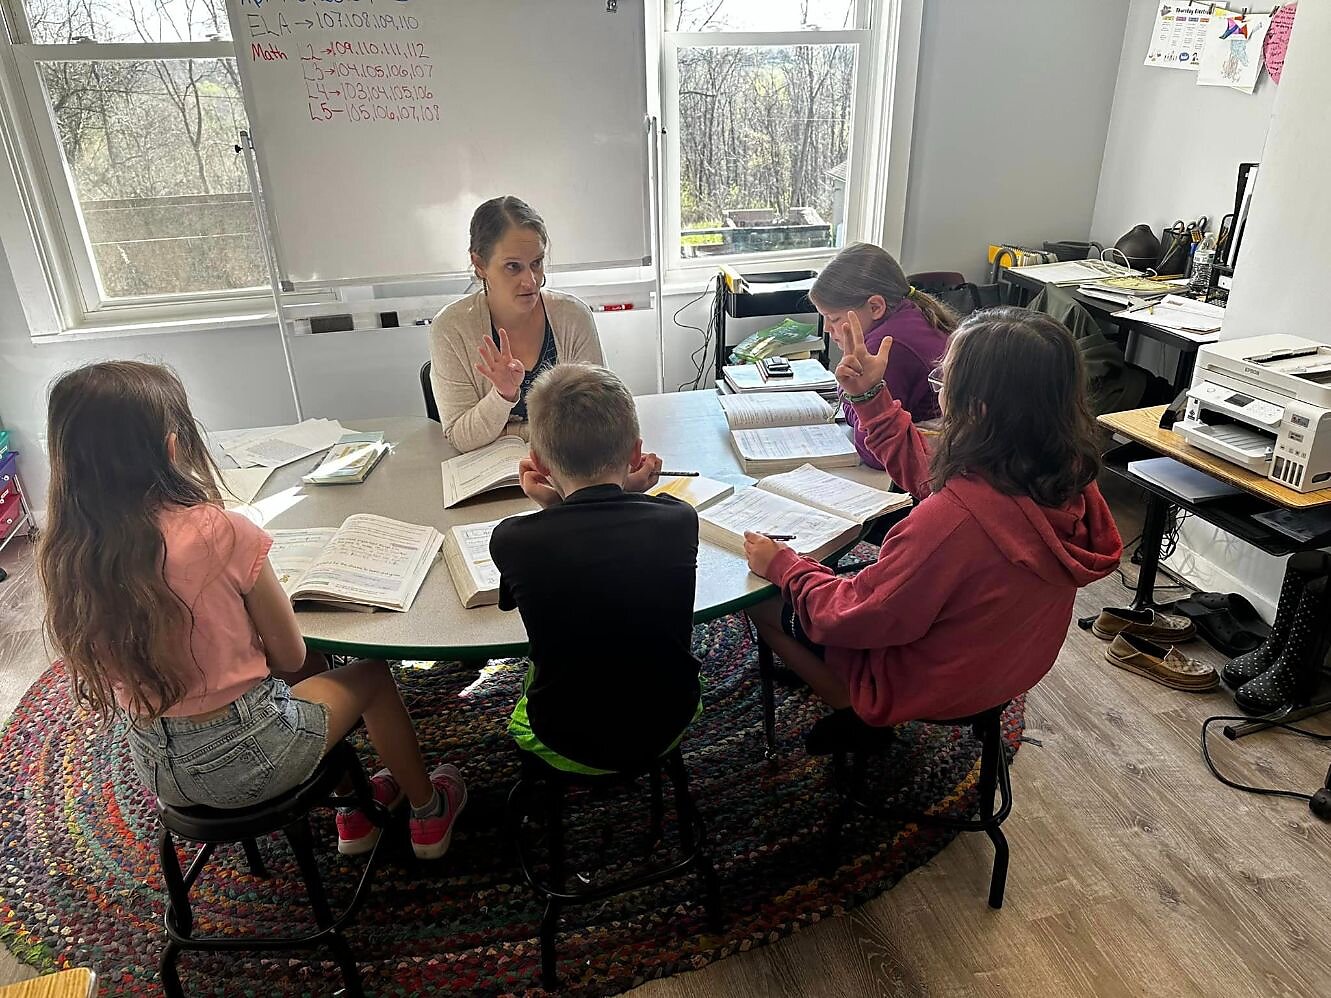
(767, 682)
(990, 746)
(167, 970)
(302, 844)
(658, 809)
(255, 860)
(685, 813)
(554, 834)
(178, 913)
(549, 928)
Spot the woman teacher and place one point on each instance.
(487, 348)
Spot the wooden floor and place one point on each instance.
(1133, 871)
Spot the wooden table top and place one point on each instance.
(80, 983)
(1143, 426)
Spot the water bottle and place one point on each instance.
(1201, 266)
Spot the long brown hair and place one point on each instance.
(1014, 408)
(109, 612)
(863, 270)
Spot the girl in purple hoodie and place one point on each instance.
(865, 280)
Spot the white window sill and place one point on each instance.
(695, 280)
(119, 331)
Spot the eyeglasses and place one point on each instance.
(936, 380)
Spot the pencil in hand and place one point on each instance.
(778, 537)
(680, 474)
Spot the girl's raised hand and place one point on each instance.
(501, 368)
(859, 369)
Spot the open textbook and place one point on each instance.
(820, 512)
(368, 563)
(467, 555)
(494, 466)
(698, 491)
(783, 448)
(763, 410)
(275, 446)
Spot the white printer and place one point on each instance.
(1264, 403)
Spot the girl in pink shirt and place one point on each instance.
(164, 607)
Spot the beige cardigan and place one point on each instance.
(471, 409)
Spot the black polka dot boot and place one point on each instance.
(1248, 666)
(1294, 676)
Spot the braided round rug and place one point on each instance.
(80, 884)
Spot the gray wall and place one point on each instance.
(1011, 112)
(1174, 147)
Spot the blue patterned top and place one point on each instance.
(549, 358)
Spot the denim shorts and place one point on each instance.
(265, 743)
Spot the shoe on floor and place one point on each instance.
(356, 833)
(431, 837)
(1162, 628)
(1166, 666)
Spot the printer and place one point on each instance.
(1264, 402)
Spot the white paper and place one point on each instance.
(1178, 35)
(240, 486)
(1197, 320)
(831, 493)
(1232, 52)
(1075, 271)
(373, 560)
(767, 513)
(767, 409)
(492, 466)
(295, 550)
(285, 444)
(794, 445)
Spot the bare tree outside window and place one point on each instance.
(764, 130)
(150, 147)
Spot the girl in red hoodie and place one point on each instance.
(971, 596)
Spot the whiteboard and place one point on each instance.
(380, 126)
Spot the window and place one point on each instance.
(133, 108)
(764, 133)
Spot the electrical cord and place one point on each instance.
(1319, 803)
(699, 356)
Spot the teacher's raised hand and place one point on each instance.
(859, 369)
(501, 368)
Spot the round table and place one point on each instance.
(688, 431)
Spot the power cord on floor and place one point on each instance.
(1319, 803)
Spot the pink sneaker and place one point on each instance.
(356, 833)
(430, 837)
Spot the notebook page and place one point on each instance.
(815, 487)
(287, 444)
(786, 442)
(492, 466)
(770, 409)
(374, 560)
(768, 513)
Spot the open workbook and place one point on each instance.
(819, 512)
(467, 555)
(368, 563)
(494, 466)
(774, 432)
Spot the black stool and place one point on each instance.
(538, 775)
(994, 777)
(215, 826)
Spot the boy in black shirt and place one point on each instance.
(603, 577)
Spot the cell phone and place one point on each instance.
(778, 367)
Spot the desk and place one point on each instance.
(1028, 287)
(687, 429)
(1233, 515)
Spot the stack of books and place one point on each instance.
(806, 376)
(1129, 292)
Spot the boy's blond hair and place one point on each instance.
(583, 421)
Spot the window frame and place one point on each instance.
(53, 241)
(887, 40)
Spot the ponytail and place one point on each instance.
(939, 315)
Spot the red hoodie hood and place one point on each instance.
(1077, 543)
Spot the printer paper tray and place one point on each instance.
(1240, 444)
